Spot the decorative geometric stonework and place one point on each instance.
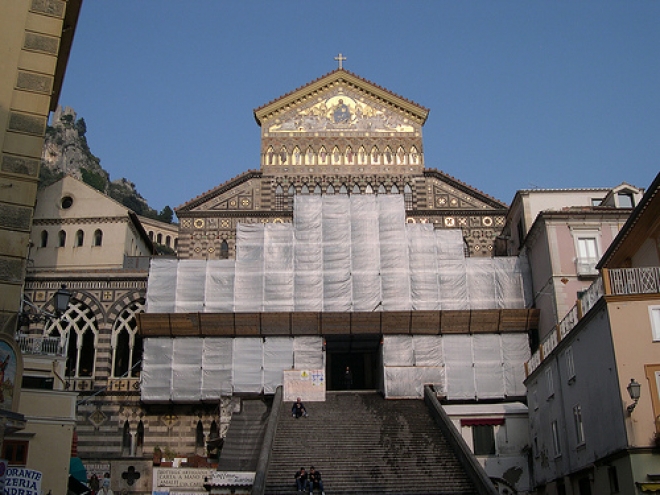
(107, 295)
(199, 223)
(185, 223)
(97, 418)
(40, 296)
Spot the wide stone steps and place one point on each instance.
(363, 443)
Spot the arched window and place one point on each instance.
(304, 189)
(224, 250)
(323, 156)
(407, 197)
(400, 156)
(309, 156)
(349, 156)
(317, 189)
(343, 189)
(151, 235)
(336, 156)
(159, 238)
(395, 190)
(140, 437)
(79, 326)
(356, 189)
(362, 156)
(284, 155)
(414, 156)
(270, 155)
(330, 189)
(61, 238)
(388, 156)
(279, 197)
(126, 343)
(44, 238)
(80, 238)
(375, 155)
(368, 189)
(98, 237)
(126, 439)
(296, 156)
(381, 189)
(199, 435)
(168, 241)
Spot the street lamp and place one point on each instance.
(61, 300)
(634, 390)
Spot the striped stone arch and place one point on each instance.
(121, 303)
(87, 299)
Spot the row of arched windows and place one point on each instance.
(132, 442)
(281, 203)
(346, 156)
(158, 239)
(78, 240)
(79, 330)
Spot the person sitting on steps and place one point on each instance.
(298, 409)
(301, 479)
(315, 481)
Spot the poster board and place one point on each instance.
(309, 385)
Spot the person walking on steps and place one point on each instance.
(315, 481)
(301, 479)
(298, 409)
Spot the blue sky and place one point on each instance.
(522, 94)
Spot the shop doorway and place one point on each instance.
(360, 353)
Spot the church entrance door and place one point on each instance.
(357, 352)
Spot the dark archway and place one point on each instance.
(361, 353)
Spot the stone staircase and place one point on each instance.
(362, 443)
(244, 438)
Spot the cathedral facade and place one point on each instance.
(339, 139)
(344, 135)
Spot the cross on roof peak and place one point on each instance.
(340, 58)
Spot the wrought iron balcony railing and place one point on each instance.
(614, 281)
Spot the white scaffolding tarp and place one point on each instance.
(340, 254)
(481, 366)
(188, 369)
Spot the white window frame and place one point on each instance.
(654, 317)
(585, 262)
(556, 444)
(570, 364)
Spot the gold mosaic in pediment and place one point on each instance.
(342, 113)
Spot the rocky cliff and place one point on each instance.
(66, 152)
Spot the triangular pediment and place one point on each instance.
(343, 102)
(235, 194)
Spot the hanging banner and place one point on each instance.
(21, 481)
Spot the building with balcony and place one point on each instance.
(594, 382)
(563, 233)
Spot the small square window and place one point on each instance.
(483, 437)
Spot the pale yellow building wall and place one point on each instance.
(30, 37)
(89, 211)
(50, 419)
(634, 349)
